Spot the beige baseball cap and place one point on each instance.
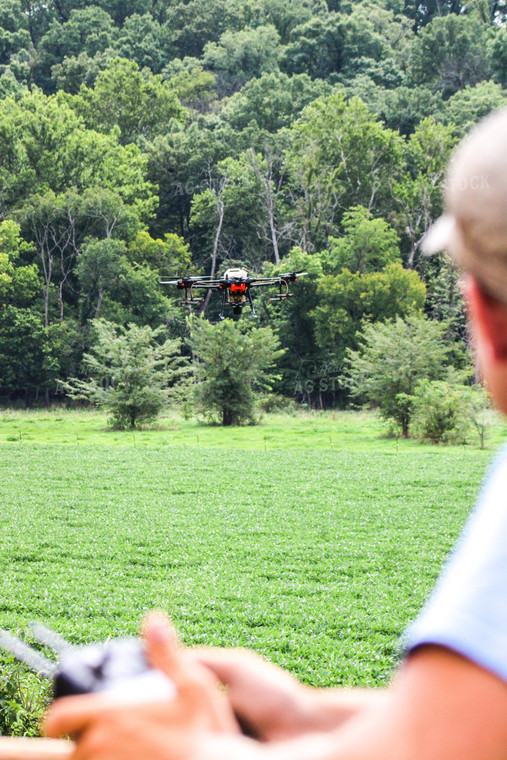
(473, 230)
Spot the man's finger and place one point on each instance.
(165, 653)
(163, 649)
(72, 715)
(224, 663)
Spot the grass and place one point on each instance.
(315, 430)
(310, 538)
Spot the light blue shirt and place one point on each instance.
(467, 612)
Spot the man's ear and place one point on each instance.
(489, 318)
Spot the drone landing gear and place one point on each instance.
(282, 296)
(224, 301)
(250, 301)
(192, 302)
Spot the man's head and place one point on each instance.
(474, 232)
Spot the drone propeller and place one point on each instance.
(22, 651)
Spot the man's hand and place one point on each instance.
(107, 729)
(271, 705)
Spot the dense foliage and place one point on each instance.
(156, 137)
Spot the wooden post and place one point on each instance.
(34, 749)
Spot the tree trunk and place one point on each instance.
(99, 303)
(220, 210)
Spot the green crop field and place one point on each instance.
(308, 538)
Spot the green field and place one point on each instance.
(308, 538)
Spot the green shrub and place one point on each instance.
(392, 358)
(23, 699)
(234, 363)
(130, 372)
(447, 412)
(272, 403)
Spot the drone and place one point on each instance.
(236, 286)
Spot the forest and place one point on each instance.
(147, 138)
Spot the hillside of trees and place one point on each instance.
(146, 138)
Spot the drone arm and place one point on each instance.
(260, 283)
(207, 285)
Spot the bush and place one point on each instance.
(393, 357)
(438, 412)
(479, 412)
(131, 373)
(24, 698)
(234, 362)
(275, 402)
(446, 412)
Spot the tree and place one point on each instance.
(144, 41)
(447, 411)
(348, 300)
(340, 156)
(44, 146)
(307, 371)
(232, 362)
(445, 302)
(466, 107)
(82, 69)
(240, 56)
(439, 412)
(51, 222)
(167, 256)
(273, 101)
(194, 86)
(479, 410)
(131, 373)
(451, 53)
(423, 12)
(315, 48)
(135, 295)
(193, 23)
(121, 10)
(136, 102)
(286, 15)
(498, 51)
(376, 42)
(392, 358)
(240, 214)
(401, 108)
(19, 283)
(31, 354)
(99, 268)
(39, 17)
(29, 364)
(418, 191)
(367, 244)
(88, 30)
(14, 34)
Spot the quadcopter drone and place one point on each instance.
(236, 286)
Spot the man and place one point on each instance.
(448, 700)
